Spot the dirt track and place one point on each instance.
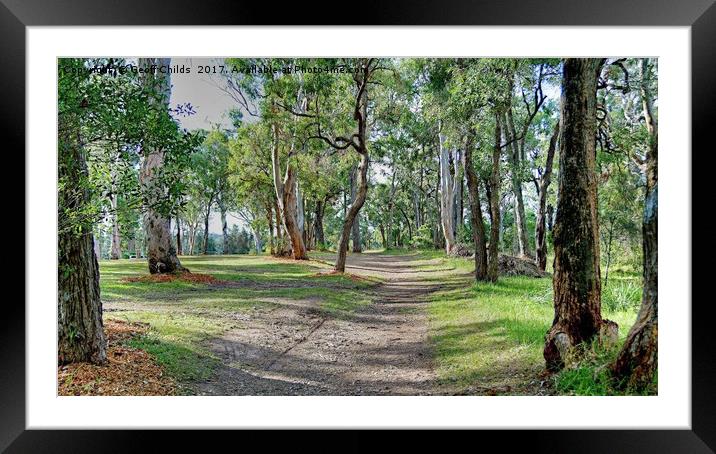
(295, 349)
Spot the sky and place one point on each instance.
(210, 104)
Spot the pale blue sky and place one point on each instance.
(210, 104)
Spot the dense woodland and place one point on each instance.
(550, 160)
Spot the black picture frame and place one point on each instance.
(700, 15)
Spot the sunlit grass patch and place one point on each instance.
(483, 333)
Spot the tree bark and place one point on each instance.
(576, 282)
(513, 155)
(116, 240)
(355, 229)
(362, 182)
(318, 234)
(300, 212)
(494, 196)
(609, 253)
(391, 206)
(545, 180)
(447, 199)
(269, 220)
(457, 194)
(132, 246)
(224, 224)
(192, 237)
(407, 222)
(290, 216)
(258, 246)
(80, 331)
(286, 197)
(360, 115)
(476, 221)
(206, 225)
(161, 255)
(179, 245)
(416, 208)
(638, 360)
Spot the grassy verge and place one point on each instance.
(493, 334)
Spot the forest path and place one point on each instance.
(380, 349)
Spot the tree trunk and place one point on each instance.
(290, 216)
(362, 190)
(416, 208)
(258, 246)
(116, 240)
(192, 237)
(360, 115)
(80, 331)
(494, 196)
(300, 212)
(447, 199)
(407, 222)
(179, 245)
(308, 223)
(638, 360)
(513, 154)
(609, 253)
(391, 206)
(438, 238)
(161, 255)
(576, 282)
(132, 246)
(206, 226)
(355, 229)
(478, 226)
(457, 194)
(545, 180)
(318, 233)
(286, 197)
(224, 224)
(269, 220)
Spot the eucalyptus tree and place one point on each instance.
(210, 172)
(251, 179)
(79, 328)
(164, 150)
(99, 107)
(436, 96)
(529, 77)
(637, 362)
(469, 99)
(577, 280)
(542, 182)
(362, 73)
(277, 97)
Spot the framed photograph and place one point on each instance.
(446, 218)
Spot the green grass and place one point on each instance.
(493, 334)
(590, 376)
(183, 316)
